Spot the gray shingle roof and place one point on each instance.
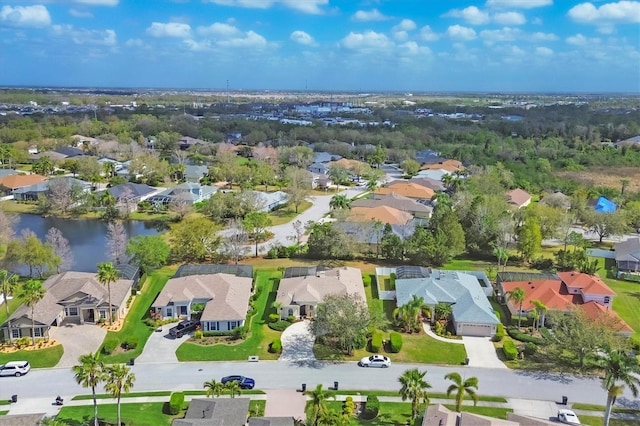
(215, 411)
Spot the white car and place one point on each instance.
(568, 417)
(375, 361)
(15, 368)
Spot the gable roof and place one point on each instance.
(428, 182)
(518, 197)
(589, 284)
(384, 214)
(215, 411)
(227, 295)
(448, 165)
(396, 201)
(628, 250)
(43, 186)
(271, 421)
(407, 189)
(553, 293)
(137, 189)
(594, 309)
(69, 151)
(7, 172)
(19, 181)
(311, 289)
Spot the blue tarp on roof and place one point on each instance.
(605, 206)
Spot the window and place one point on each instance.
(183, 310)
(607, 299)
(102, 314)
(71, 311)
(38, 332)
(290, 312)
(169, 312)
(232, 324)
(15, 333)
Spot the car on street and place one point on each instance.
(375, 361)
(243, 382)
(15, 368)
(568, 417)
(183, 328)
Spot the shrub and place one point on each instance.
(498, 314)
(530, 348)
(274, 317)
(176, 402)
(371, 408)
(499, 333)
(517, 335)
(279, 325)
(510, 350)
(547, 334)
(395, 340)
(366, 280)
(198, 334)
(349, 407)
(130, 343)
(543, 264)
(376, 341)
(275, 347)
(110, 344)
(440, 328)
(360, 341)
(291, 318)
(635, 342)
(215, 333)
(239, 333)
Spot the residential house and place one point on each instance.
(187, 192)
(215, 412)
(434, 184)
(590, 287)
(518, 198)
(187, 142)
(428, 156)
(383, 214)
(7, 172)
(133, 192)
(58, 154)
(396, 201)
(193, 173)
(633, 141)
(319, 168)
(31, 192)
(407, 189)
(371, 232)
(35, 419)
(270, 201)
(627, 256)
(449, 166)
(439, 415)
(117, 165)
(325, 157)
(303, 288)
(271, 421)
(76, 297)
(10, 183)
(472, 312)
(225, 296)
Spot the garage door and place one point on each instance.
(475, 329)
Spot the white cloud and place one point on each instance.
(169, 29)
(80, 13)
(500, 35)
(219, 29)
(471, 14)
(509, 18)
(518, 4)
(25, 16)
(458, 32)
(134, 42)
(401, 31)
(302, 37)
(544, 51)
(305, 6)
(369, 16)
(99, 2)
(580, 40)
(411, 48)
(366, 40)
(539, 36)
(85, 36)
(250, 39)
(427, 34)
(607, 14)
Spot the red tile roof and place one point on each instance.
(594, 309)
(19, 181)
(552, 293)
(589, 284)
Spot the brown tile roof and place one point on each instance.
(228, 295)
(312, 289)
(552, 293)
(396, 201)
(589, 284)
(448, 165)
(518, 197)
(384, 214)
(407, 189)
(594, 309)
(19, 181)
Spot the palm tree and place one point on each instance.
(414, 387)
(8, 286)
(517, 296)
(31, 292)
(88, 374)
(541, 310)
(409, 313)
(502, 255)
(620, 369)
(107, 274)
(233, 389)
(340, 201)
(119, 379)
(469, 386)
(318, 402)
(213, 387)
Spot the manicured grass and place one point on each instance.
(13, 305)
(261, 263)
(4, 413)
(288, 213)
(134, 325)
(257, 406)
(41, 358)
(11, 206)
(161, 217)
(626, 303)
(497, 412)
(195, 392)
(391, 413)
(597, 421)
(147, 414)
(432, 395)
(595, 407)
(257, 343)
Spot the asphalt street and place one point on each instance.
(42, 383)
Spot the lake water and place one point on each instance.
(87, 237)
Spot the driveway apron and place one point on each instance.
(161, 346)
(285, 403)
(482, 353)
(77, 340)
(297, 343)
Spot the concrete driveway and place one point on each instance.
(482, 353)
(77, 339)
(297, 343)
(161, 347)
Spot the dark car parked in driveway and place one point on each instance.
(183, 328)
(243, 382)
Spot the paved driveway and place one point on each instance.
(77, 339)
(482, 353)
(297, 343)
(161, 347)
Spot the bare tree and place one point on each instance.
(7, 222)
(62, 194)
(61, 248)
(180, 156)
(126, 201)
(116, 242)
(234, 245)
(299, 230)
(180, 207)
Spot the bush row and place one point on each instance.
(176, 402)
(518, 335)
(510, 350)
(395, 340)
(500, 333)
(376, 341)
(279, 325)
(366, 280)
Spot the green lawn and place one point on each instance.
(595, 407)
(257, 343)
(287, 213)
(597, 421)
(13, 305)
(391, 413)
(626, 303)
(195, 392)
(134, 325)
(41, 358)
(432, 395)
(145, 414)
(497, 412)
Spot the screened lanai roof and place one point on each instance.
(209, 269)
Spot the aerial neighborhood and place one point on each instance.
(201, 265)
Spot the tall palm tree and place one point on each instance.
(469, 387)
(31, 292)
(119, 380)
(620, 370)
(213, 387)
(541, 309)
(8, 286)
(517, 296)
(89, 374)
(233, 389)
(318, 401)
(340, 202)
(414, 387)
(107, 274)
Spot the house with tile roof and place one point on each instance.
(31, 192)
(627, 256)
(396, 201)
(76, 297)
(449, 166)
(472, 313)
(225, 296)
(407, 189)
(518, 198)
(382, 214)
(300, 295)
(12, 182)
(590, 287)
(434, 184)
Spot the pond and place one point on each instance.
(87, 237)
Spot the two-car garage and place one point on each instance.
(474, 329)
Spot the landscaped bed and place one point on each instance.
(38, 358)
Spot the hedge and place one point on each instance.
(216, 333)
(510, 350)
(516, 334)
(376, 341)
(279, 325)
(395, 342)
(500, 333)
(275, 347)
(176, 402)
(371, 408)
(366, 280)
(110, 344)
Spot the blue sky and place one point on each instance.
(355, 45)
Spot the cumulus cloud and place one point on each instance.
(539, 36)
(544, 51)
(471, 14)
(134, 42)
(366, 40)
(25, 16)
(458, 32)
(509, 18)
(609, 13)
(80, 13)
(86, 36)
(368, 16)
(302, 37)
(250, 39)
(500, 35)
(401, 31)
(169, 29)
(219, 29)
(518, 4)
(99, 2)
(580, 40)
(427, 34)
(305, 6)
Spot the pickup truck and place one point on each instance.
(183, 328)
